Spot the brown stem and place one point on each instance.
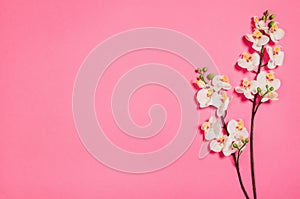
(236, 163)
(254, 110)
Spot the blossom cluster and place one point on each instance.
(233, 136)
(213, 93)
(265, 36)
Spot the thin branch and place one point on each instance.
(254, 110)
(236, 162)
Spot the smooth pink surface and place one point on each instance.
(43, 44)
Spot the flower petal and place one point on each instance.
(216, 146)
(249, 37)
(275, 84)
(239, 89)
(231, 127)
(216, 100)
(228, 149)
(243, 133)
(271, 64)
(217, 126)
(201, 84)
(276, 36)
(202, 98)
(270, 52)
(255, 59)
(253, 87)
(210, 134)
(263, 40)
(265, 99)
(222, 109)
(248, 94)
(256, 47)
(279, 59)
(244, 64)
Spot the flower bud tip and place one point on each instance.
(271, 23)
(258, 89)
(272, 17)
(210, 76)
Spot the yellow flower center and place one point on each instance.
(209, 92)
(206, 126)
(257, 34)
(221, 140)
(274, 28)
(276, 50)
(270, 76)
(256, 19)
(224, 97)
(247, 57)
(246, 83)
(224, 78)
(198, 82)
(240, 125)
(272, 95)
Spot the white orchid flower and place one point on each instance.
(273, 95)
(212, 128)
(228, 147)
(237, 130)
(276, 33)
(258, 39)
(260, 24)
(221, 82)
(247, 88)
(213, 133)
(201, 84)
(220, 101)
(204, 97)
(265, 80)
(222, 143)
(237, 133)
(276, 57)
(249, 61)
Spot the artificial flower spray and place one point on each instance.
(259, 86)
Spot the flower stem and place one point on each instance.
(236, 162)
(261, 59)
(260, 101)
(254, 110)
(237, 166)
(252, 147)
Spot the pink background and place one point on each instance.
(43, 44)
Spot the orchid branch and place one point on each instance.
(254, 110)
(262, 96)
(236, 161)
(231, 138)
